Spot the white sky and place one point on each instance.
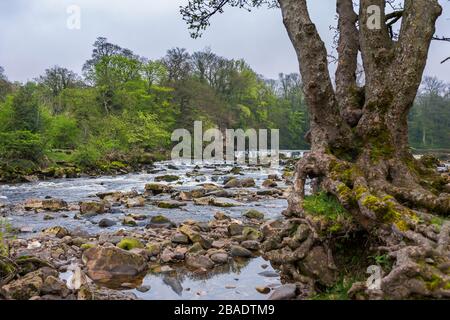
(34, 35)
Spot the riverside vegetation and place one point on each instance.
(119, 116)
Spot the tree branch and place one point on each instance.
(348, 47)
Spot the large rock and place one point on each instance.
(316, 265)
(57, 231)
(254, 214)
(224, 202)
(240, 183)
(135, 202)
(167, 178)
(160, 222)
(238, 251)
(235, 229)
(195, 236)
(285, 292)
(28, 286)
(156, 188)
(170, 204)
(219, 257)
(92, 207)
(108, 263)
(46, 204)
(252, 234)
(199, 261)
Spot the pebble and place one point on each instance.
(143, 289)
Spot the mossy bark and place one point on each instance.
(359, 149)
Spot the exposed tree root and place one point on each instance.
(400, 213)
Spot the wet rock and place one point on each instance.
(167, 255)
(167, 178)
(28, 286)
(180, 238)
(91, 292)
(316, 264)
(46, 204)
(269, 183)
(156, 188)
(220, 257)
(221, 216)
(224, 202)
(153, 248)
(263, 290)
(250, 244)
(106, 263)
(143, 289)
(252, 234)
(106, 223)
(170, 204)
(254, 214)
(235, 229)
(130, 244)
(48, 217)
(195, 236)
(285, 292)
(196, 248)
(204, 201)
(174, 284)
(92, 207)
(55, 286)
(135, 202)
(160, 222)
(57, 231)
(199, 261)
(274, 177)
(129, 221)
(238, 251)
(269, 274)
(218, 244)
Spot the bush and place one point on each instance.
(63, 133)
(87, 156)
(21, 145)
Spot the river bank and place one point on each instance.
(178, 232)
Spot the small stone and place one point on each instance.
(254, 214)
(238, 251)
(250, 244)
(143, 289)
(235, 229)
(269, 274)
(284, 292)
(106, 223)
(180, 238)
(263, 290)
(220, 257)
(129, 221)
(199, 261)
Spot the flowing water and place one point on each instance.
(235, 281)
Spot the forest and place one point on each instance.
(124, 107)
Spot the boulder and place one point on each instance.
(92, 207)
(250, 244)
(180, 238)
(224, 202)
(235, 229)
(167, 178)
(28, 286)
(160, 222)
(250, 233)
(316, 265)
(107, 263)
(57, 231)
(247, 183)
(219, 257)
(129, 221)
(156, 188)
(195, 236)
(54, 205)
(135, 202)
(285, 292)
(238, 251)
(269, 183)
(199, 261)
(106, 223)
(254, 214)
(170, 204)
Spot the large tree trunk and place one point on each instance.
(360, 154)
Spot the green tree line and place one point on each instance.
(124, 107)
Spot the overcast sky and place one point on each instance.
(34, 34)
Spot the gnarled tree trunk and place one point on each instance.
(360, 154)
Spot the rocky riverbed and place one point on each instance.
(173, 232)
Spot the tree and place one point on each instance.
(25, 114)
(5, 86)
(359, 141)
(55, 80)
